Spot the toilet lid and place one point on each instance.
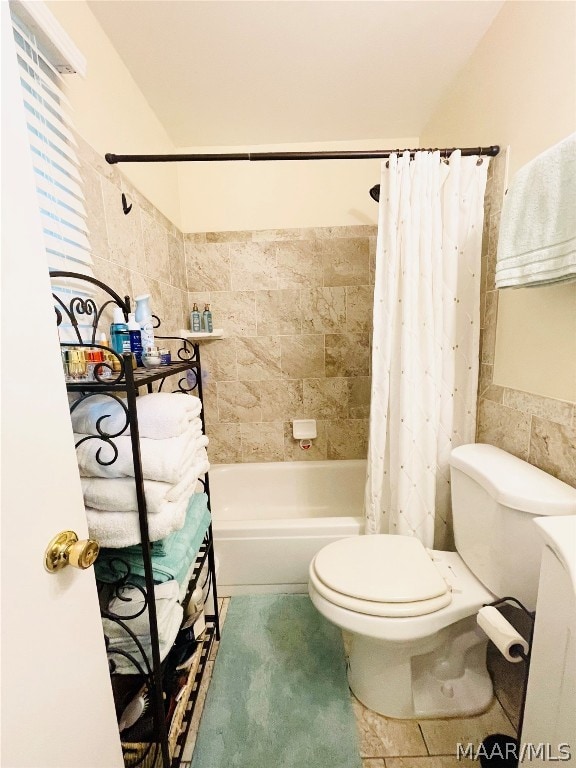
(380, 569)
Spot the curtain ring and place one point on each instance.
(480, 161)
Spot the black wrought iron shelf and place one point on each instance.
(158, 740)
(142, 377)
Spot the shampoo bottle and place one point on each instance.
(135, 338)
(207, 318)
(119, 334)
(195, 321)
(143, 316)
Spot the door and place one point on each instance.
(57, 706)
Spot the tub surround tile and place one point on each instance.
(347, 354)
(359, 390)
(553, 449)
(155, 240)
(504, 427)
(235, 312)
(228, 237)
(225, 446)
(299, 264)
(239, 401)
(274, 235)
(486, 388)
(125, 246)
(258, 357)
(210, 401)
(323, 310)
(346, 231)
(177, 261)
(373, 762)
(442, 735)
(318, 450)
(263, 441)
(384, 737)
(302, 356)
(278, 312)
(347, 439)
(219, 360)
(546, 408)
(325, 398)
(345, 261)
(488, 344)
(194, 237)
(251, 265)
(207, 266)
(281, 399)
(359, 301)
(174, 303)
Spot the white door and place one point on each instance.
(57, 707)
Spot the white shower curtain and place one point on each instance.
(425, 350)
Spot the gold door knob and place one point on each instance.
(65, 549)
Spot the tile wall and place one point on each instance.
(296, 310)
(538, 429)
(142, 252)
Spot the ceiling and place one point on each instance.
(236, 72)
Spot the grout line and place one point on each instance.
(423, 738)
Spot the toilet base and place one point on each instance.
(443, 675)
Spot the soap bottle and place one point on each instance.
(195, 321)
(207, 318)
(143, 316)
(119, 334)
(135, 338)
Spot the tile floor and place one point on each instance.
(389, 743)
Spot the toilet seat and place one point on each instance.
(380, 575)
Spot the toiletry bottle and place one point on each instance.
(143, 315)
(195, 321)
(207, 318)
(119, 334)
(135, 338)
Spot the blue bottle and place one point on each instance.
(135, 338)
(119, 333)
(207, 319)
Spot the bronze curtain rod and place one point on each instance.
(328, 155)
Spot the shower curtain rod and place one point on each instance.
(328, 155)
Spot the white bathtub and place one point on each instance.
(270, 519)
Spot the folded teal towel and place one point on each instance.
(180, 549)
(537, 241)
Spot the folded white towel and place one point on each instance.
(131, 601)
(160, 415)
(537, 241)
(119, 494)
(113, 530)
(170, 630)
(164, 460)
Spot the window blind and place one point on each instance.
(53, 149)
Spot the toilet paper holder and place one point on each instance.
(498, 741)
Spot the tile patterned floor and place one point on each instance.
(390, 743)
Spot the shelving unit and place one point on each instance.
(157, 738)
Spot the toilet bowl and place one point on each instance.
(415, 649)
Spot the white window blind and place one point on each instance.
(52, 144)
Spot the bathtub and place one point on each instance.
(270, 519)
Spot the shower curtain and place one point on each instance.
(425, 349)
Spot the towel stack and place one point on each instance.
(173, 457)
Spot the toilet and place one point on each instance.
(415, 648)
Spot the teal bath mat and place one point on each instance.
(278, 696)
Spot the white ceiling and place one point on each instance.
(236, 72)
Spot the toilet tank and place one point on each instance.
(495, 499)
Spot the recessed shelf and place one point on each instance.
(217, 333)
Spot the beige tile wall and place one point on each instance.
(537, 429)
(296, 310)
(142, 252)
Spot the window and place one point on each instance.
(42, 59)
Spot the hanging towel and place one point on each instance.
(179, 550)
(111, 529)
(537, 242)
(165, 460)
(160, 415)
(119, 494)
